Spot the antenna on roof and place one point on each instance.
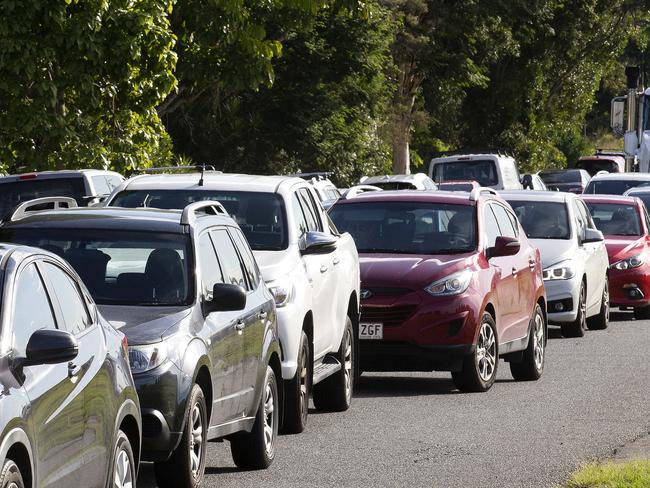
(202, 168)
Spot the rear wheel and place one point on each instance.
(577, 328)
(296, 404)
(10, 476)
(531, 366)
(480, 368)
(334, 394)
(123, 473)
(186, 466)
(601, 321)
(256, 449)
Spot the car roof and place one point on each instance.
(622, 176)
(213, 180)
(59, 174)
(638, 190)
(537, 195)
(394, 178)
(453, 197)
(114, 218)
(568, 170)
(609, 199)
(471, 156)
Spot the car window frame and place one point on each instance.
(247, 288)
(232, 232)
(312, 208)
(513, 227)
(198, 261)
(488, 208)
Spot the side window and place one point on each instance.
(210, 269)
(491, 229)
(504, 220)
(301, 223)
(68, 295)
(581, 223)
(250, 266)
(228, 258)
(646, 217)
(311, 210)
(101, 185)
(585, 215)
(32, 309)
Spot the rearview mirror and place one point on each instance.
(504, 246)
(225, 298)
(50, 346)
(314, 242)
(592, 235)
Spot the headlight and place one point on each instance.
(560, 271)
(145, 358)
(633, 262)
(454, 284)
(281, 291)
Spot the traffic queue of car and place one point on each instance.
(188, 308)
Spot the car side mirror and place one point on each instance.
(504, 246)
(592, 235)
(225, 298)
(49, 346)
(527, 182)
(314, 242)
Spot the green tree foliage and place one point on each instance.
(80, 80)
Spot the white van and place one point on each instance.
(492, 170)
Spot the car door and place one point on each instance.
(57, 400)
(506, 284)
(259, 310)
(88, 370)
(592, 255)
(224, 331)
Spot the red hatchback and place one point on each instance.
(625, 224)
(449, 282)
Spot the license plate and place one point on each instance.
(371, 331)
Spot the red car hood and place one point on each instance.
(621, 247)
(408, 270)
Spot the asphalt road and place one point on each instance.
(417, 430)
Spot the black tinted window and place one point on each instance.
(613, 187)
(15, 192)
(492, 230)
(247, 257)
(560, 177)
(228, 259)
(260, 215)
(68, 295)
(32, 308)
(209, 266)
(543, 220)
(483, 171)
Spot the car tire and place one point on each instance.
(479, 369)
(186, 466)
(642, 313)
(124, 471)
(601, 321)
(10, 475)
(256, 449)
(577, 328)
(531, 367)
(297, 390)
(334, 394)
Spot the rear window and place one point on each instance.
(408, 227)
(550, 177)
(13, 193)
(593, 166)
(483, 171)
(613, 187)
(616, 219)
(543, 220)
(394, 185)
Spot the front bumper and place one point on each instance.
(630, 287)
(566, 293)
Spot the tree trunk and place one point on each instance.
(401, 159)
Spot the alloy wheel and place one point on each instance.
(486, 352)
(583, 309)
(122, 474)
(304, 384)
(269, 420)
(347, 358)
(538, 341)
(196, 439)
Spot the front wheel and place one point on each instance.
(123, 473)
(256, 449)
(334, 394)
(186, 466)
(480, 368)
(10, 476)
(601, 321)
(296, 404)
(577, 328)
(531, 366)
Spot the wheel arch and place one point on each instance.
(17, 447)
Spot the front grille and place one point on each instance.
(389, 316)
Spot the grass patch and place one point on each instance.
(632, 474)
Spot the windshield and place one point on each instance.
(613, 187)
(394, 185)
(616, 219)
(543, 220)
(13, 193)
(120, 267)
(261, 216)
(408, 227)
(481, 170)
(560, 177)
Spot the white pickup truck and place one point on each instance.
(312, 271)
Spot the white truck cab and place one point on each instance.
(494, 170)
(311, 270)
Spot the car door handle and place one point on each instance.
(336, 261)
(262, 315)
(323, 268)
(531, 263)
(73, 369)
(514, 272)
(239, 326)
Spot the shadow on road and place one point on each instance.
(621, 316)
(378, 387)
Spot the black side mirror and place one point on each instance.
(225, 298)
(504, 246)
(314, 242)
(50, 346)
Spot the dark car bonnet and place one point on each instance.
(143, 325)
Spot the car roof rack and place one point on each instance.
(163, 169)
(22, 210)
(476, 193)
(318, 175)
(189, 213)
(471, 150)
(358, 190)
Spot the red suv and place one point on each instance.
(449, 282)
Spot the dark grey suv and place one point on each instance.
(69, 412)
(185, 289)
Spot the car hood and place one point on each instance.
(143, 325)
(623, 247)
(554, 250)
(410, 271)
(276, 264)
